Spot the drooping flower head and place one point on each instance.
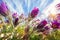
(3, 9)
(34, 12)
(42, 24)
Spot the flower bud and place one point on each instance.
(34, 12)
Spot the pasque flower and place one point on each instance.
(41, 25)
(55, 24)
(34, 12)
(3, 9)
(15, 17)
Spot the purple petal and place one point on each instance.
(44, 22)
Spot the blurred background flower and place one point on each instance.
(3, 9)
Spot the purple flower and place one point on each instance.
(55, 24)
(14, 15)
(41, 25)
(44, 22)
(34, 12)
(3, 9)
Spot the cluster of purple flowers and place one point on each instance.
(41, 26)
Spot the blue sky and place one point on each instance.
(25, 6)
